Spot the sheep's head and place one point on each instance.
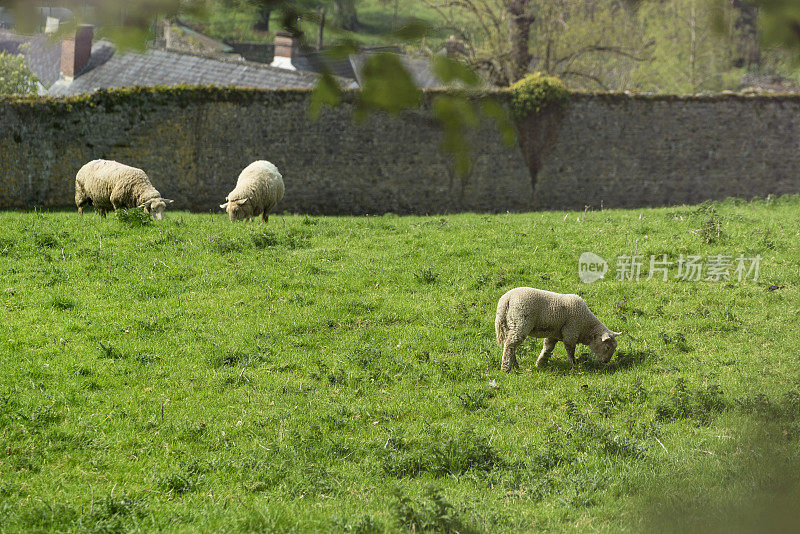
(238, 209)
(155, 207)
(604, 345)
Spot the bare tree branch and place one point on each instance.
(618, 50)
(591, 77)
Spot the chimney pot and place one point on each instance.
(76, 51)
(286, 45)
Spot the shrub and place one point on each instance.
(536, 92)
(263, 239)
(62, 303)
(432, 513)
(442, 455)
(224, 244)
(15, 76)
(133, 217)
(426, 275)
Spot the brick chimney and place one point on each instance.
(454, 47)
(75, 51)
(286, 49)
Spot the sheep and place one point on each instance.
(556, 317)
(258, 190)
(111, 185)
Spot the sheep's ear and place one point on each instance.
(615, 334)
(241, 202)
(224, 206)
(146, 204)
(167, 201)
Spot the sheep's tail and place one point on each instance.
(500, 326)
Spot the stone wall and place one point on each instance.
(625, 151)
(193, 151)
(609, 150)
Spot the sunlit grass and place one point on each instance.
(333, 373)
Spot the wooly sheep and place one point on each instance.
(258, 190)
(525, 311)
(112, 185)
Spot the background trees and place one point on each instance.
(688, 55)
(15, 76)
(346, 15)
(646, 45)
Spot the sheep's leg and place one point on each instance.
(570, 353)
(547, 349)
(101, 211)
(509, 357)
(265, 216)
(117, 200)
(80, 197)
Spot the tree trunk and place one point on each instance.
(321, 35)
(520, 19)
(346, 15)
(746, 31)
(264, 13)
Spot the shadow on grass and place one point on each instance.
(587, 361)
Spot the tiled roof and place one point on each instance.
(42, 55)
(162, 67)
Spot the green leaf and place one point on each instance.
(501, 118)
(326, 93)
(449, 70)
(343, 49)
(456, 115)
(413, 30)
(387, 85)
(779, 24)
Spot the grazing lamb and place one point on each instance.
(112, 185)
(258, 190)
(556, 317)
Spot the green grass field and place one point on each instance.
(377, 20)
(333, 374)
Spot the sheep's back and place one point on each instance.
(262, 183)
(543, 312)
(100, 178)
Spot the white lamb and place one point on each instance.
(525, 311)
(112, 185)
(258, 190)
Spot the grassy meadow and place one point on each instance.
(377, 19)
(334, 374)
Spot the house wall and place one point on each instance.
(614, 151)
